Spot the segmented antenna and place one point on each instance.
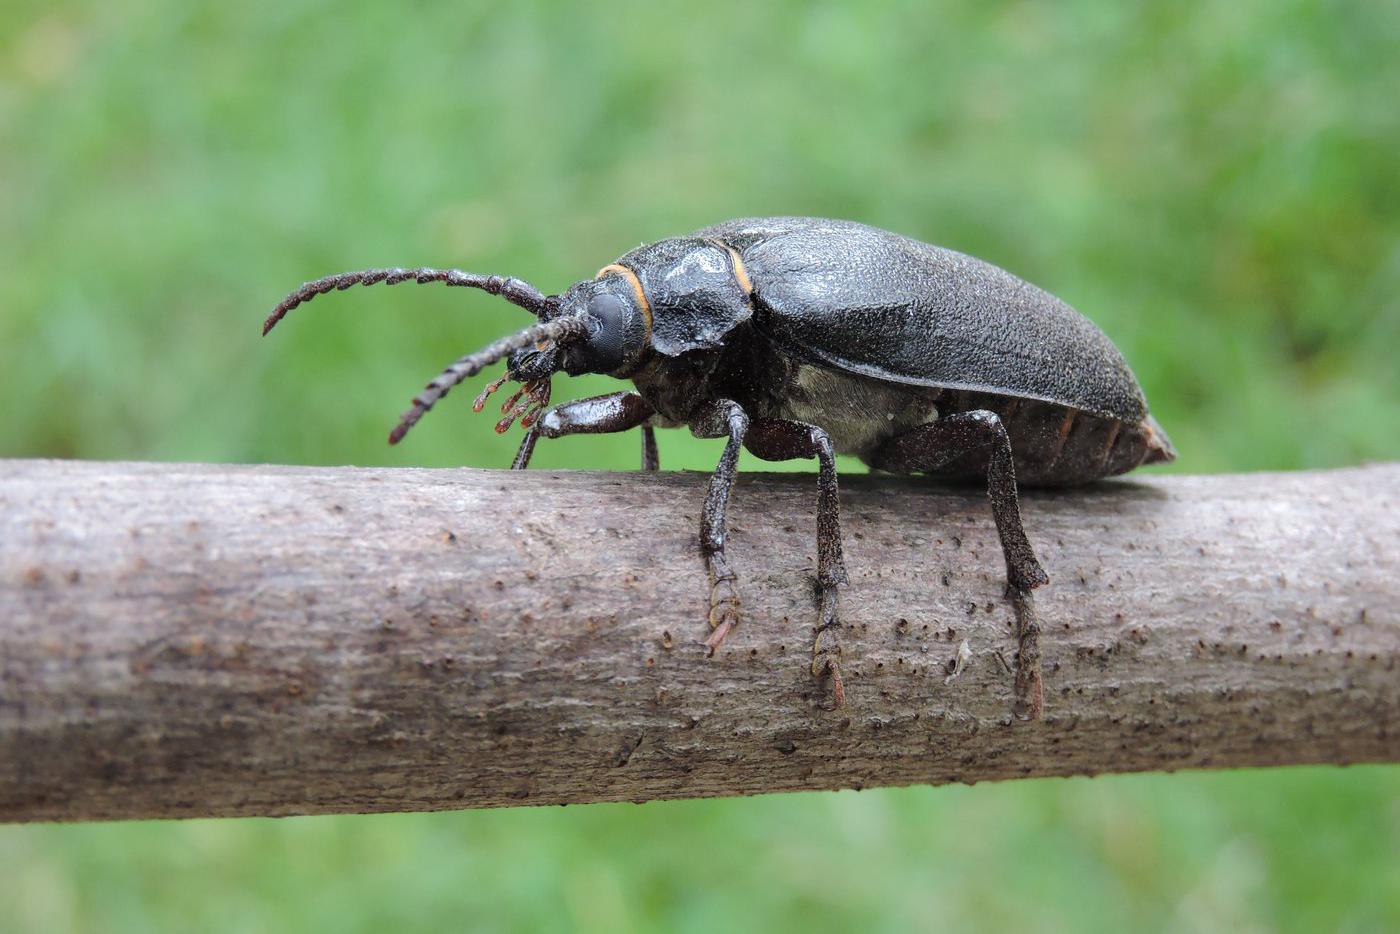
(516, 291)
(561, 330)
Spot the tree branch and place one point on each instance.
(184, 640)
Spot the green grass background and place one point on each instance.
(1217, 185)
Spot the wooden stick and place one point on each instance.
(196, 640)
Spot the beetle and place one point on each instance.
(800, 337)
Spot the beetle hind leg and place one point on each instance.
(931, 446)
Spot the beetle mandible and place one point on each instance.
(806, 338)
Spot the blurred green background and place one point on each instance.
(1216, 185)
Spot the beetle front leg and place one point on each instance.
(720, 419)
(929, 447)
(780, 440)
(598, 415)
(526, 449)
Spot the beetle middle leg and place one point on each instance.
(931, 446)
(780, 440)
(619, 411)
(720, 419)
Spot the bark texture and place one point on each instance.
(193, 640)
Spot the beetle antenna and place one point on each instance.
(561, 330)
(516, 291)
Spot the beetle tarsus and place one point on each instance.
(724, 601)
(1030, 691)
(826, 646)
(832, 670)
(717, 636)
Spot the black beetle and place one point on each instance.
(804, 338)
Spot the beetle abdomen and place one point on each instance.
(1053, 445)
(858, 414)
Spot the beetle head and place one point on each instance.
(600, 325)
(611, 338)
(615, 340)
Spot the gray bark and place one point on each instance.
(187, 640)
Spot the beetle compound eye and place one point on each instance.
(614, 338)
(608, 340)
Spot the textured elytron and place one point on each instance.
(872, 302)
